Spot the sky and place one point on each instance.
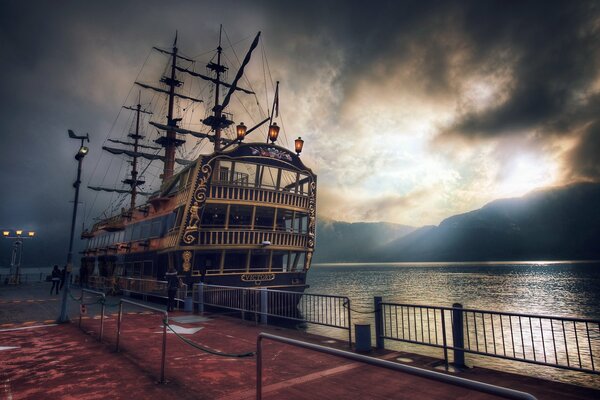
(411, 111)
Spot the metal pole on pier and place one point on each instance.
(64, 317)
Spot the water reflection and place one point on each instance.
(546, 288)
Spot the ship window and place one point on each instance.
(288, 181)
(268, 177)
(235, 260)
(137, 230)
(300, 222)
(170, 220)
(298, 261)
(148, 270)
(207, 261)
(244, 174)
(214, 215)
(280, 261)
(264, 218)
(145, 229)
(156, 225)
(259, 260)
(137, 269)
(240, 217)
(224, 171)
(303, 184)
(284, 220)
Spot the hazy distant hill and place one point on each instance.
(344, 241)
(558, 223)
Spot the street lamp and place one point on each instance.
(17, 253)
(64, 317)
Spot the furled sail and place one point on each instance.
(147, 156)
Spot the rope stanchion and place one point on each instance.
(197, 346)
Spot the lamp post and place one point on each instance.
(17, 251)
(64, 317)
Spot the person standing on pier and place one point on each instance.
(63, 276)
(173, 283)
(55, 279)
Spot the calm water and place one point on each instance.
(549, 288)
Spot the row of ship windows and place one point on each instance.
(212, 262)
(213, 216)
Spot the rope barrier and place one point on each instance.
(197, 346)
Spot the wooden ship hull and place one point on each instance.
(243, 218)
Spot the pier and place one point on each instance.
(43, 359)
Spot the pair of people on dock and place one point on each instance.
(58, 279)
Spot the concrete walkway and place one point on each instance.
(41, 360)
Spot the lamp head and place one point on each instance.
(273, 132)
(241, 131)
(298, 145)
(81, 153)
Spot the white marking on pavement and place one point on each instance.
(26, 327)
(8, 348)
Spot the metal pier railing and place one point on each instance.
(436, 376)
(568, 343)
(319, 309)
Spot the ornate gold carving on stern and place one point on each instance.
(257, 278)
(200, 193)
(312, 214)
(190, 233)
(187, 257)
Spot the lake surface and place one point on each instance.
(567, 289)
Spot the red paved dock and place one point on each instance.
(64, 362)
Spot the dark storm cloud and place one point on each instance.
(550, 48)
(70, 65)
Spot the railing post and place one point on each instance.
(264, 306)
(164, 349)
(349, 323)
(201, 298)
(80, 303)
(259, 368)
(379, 341)
(119, 325)
(458, 337)
(102, 317)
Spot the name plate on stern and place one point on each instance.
(258, 278)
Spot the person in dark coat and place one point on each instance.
(173, 283)
(63, 276)
(55, 279)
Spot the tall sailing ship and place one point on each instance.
(243, 215)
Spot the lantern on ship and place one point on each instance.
(298, 144)
(241, 131)
(273, 132)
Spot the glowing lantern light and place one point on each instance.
(241, 131)
(298, 144)
(273, 132)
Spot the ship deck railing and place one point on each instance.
(263, 303)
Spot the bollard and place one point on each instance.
(102, 320)
(379, 341)
(188, 305)
(458, 336)
(362, 333)
(264, 306)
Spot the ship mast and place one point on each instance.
(133, 182)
